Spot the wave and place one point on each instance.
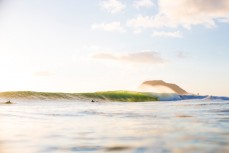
(122, 96)
(206, 97)
(178, 97)
(106, 96)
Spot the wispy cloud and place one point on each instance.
(143, 3)
(141, 22)
(185, 13)
(175, 34)
(181, 55)
(145, 57)
(226, 20)
(112, 6)
(44, 73)
(111, 27)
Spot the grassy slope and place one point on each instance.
(122, 96)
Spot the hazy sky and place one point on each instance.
(93, 45)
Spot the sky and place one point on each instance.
(97, 45)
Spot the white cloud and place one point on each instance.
(112, 6)
(175, 34)
(146, 57)
(185, 13)
(141, 22)
(143, 3)
(193, 12)
(110, 27)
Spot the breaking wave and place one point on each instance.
(118, 96)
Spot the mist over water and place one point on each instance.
(155, 89)
(54, 127)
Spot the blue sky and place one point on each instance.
(78, 46)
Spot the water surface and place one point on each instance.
(150, 127)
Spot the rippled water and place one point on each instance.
(62, 127)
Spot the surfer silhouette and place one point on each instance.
(8, 102)
(92, 100)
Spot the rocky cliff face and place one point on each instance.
(159, 84)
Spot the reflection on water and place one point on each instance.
(59, 127)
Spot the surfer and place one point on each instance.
(8, 102)
(92, 100)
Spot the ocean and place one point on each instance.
(199, 126)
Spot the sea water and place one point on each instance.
(149, 127)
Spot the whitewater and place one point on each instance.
(41, 126)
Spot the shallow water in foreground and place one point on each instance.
(66, 127)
